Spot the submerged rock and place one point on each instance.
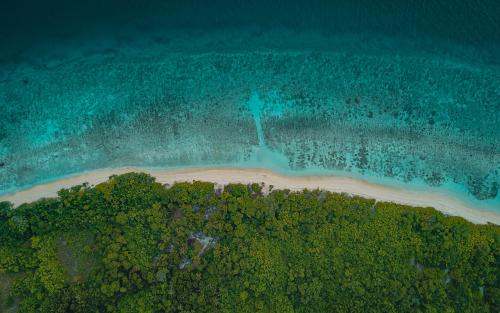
(483, 188)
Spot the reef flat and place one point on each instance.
(346, 105)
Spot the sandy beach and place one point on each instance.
(223, 176)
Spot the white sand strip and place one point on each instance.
(444, 203)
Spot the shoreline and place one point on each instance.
(446, 204)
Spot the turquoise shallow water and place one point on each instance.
(421, 114)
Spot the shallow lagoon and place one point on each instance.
(419, 114)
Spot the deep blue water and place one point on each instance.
(398, 92)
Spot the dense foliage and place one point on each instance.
(133, 245)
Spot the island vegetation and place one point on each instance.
(133, 245)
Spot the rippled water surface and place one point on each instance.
(400, 102)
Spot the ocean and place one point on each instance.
(403, 93)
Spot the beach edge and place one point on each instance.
(223, 176)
